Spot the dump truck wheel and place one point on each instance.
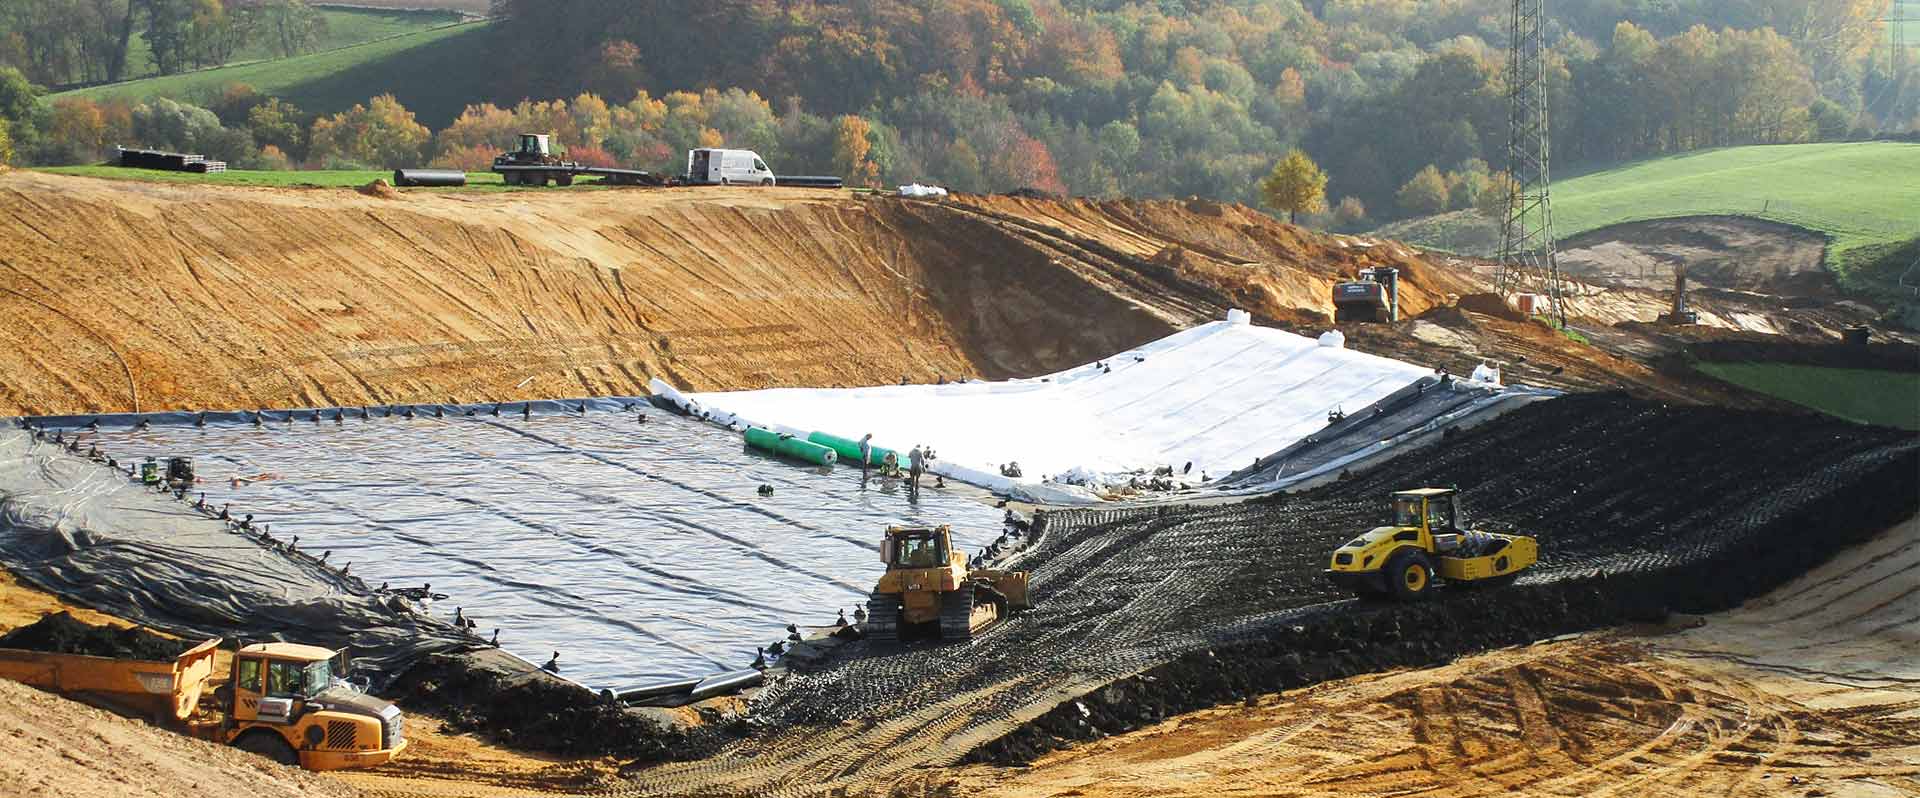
(883, 617)
(269, 745)
(956, 613)
(1409, 575)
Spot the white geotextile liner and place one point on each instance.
(1218, 396)
(639, 551)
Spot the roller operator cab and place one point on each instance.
(1428, 543)
(290, 703)
(929, 587)
(711, 166)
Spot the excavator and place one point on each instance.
(929, 587)
(1426, 545)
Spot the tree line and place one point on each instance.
(71, 42)
(1401, 104)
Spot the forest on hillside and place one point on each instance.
(1400, 101)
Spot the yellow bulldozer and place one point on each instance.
(1426, 545)
(929, 588)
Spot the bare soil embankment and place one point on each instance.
(180, 296)
(1735, 252)
(56, 748)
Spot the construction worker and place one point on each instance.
(916, 462)
(866, 454)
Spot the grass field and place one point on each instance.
(434, 72)
(243, 177)
(346, 27)
(1889, 398)
(1860, 193)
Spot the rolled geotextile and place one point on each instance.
(763, 439)
(848, 448)
(429, 177)
(809, 451)
(789, 446)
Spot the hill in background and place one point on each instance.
(1852, 192)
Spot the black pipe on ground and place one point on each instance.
(429, 177)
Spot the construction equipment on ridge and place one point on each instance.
(1425, 545)
(534, 164)
(1374, 296)
(928, 586)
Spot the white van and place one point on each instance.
(727, 168)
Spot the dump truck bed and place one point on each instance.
(158, 689)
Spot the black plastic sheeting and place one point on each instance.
(639, 551)
(87, 532)
(429, 177)
(1385, 427)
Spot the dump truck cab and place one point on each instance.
(928, 582)
(291, 703)
(1427, 542)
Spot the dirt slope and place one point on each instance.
(182, 296)
(55, 748)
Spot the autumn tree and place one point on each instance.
(1350, 214)
(851, 147)
(381, 133)
(1497, 199)
(1296, 185)
(6, 144)
(1425, 194)
(290, 26)
(279, 124)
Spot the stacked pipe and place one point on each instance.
(169, 161)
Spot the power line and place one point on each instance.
(1527, 253)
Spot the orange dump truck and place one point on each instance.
(282, 701)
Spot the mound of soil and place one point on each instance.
(1492, 305)
(542, 714)
(1722, 251)
(61, 633)
(53, 747)
(380, 188)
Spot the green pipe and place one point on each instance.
(849, 449)
(789, 446)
